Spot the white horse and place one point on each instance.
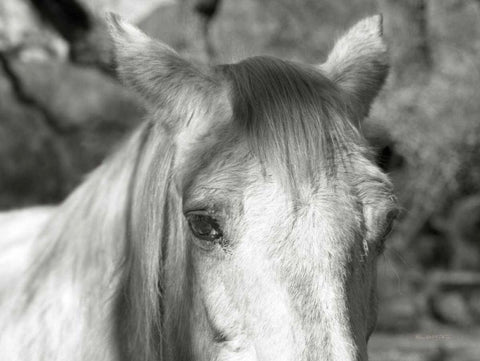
(241, 221)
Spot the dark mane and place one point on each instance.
(294, 117)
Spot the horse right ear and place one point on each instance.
(155, 70)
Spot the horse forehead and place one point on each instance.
(329, 211)
(231, 164)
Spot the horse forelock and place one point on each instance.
(294, 118)
(157, 267)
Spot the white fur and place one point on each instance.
(19, 231)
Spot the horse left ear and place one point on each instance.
(359, 63)
(155, 70)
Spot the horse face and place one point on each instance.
(283, 214)
(276, 279)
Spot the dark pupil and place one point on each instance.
(204, 227)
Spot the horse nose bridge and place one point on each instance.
(342, 347)
(320, 280)
(320, 300)
(323, 240)
(335, 328)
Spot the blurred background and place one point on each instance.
(62, 111)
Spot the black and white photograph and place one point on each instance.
(239, 180)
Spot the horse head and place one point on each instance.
(258, 213)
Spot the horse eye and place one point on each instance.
(388, 226)
(204, 227)
(389, 220)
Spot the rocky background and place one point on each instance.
(62, 111)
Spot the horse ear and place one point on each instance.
(154, 69)
(359, 63)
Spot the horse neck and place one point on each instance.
(87, 235)
(70, 292)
